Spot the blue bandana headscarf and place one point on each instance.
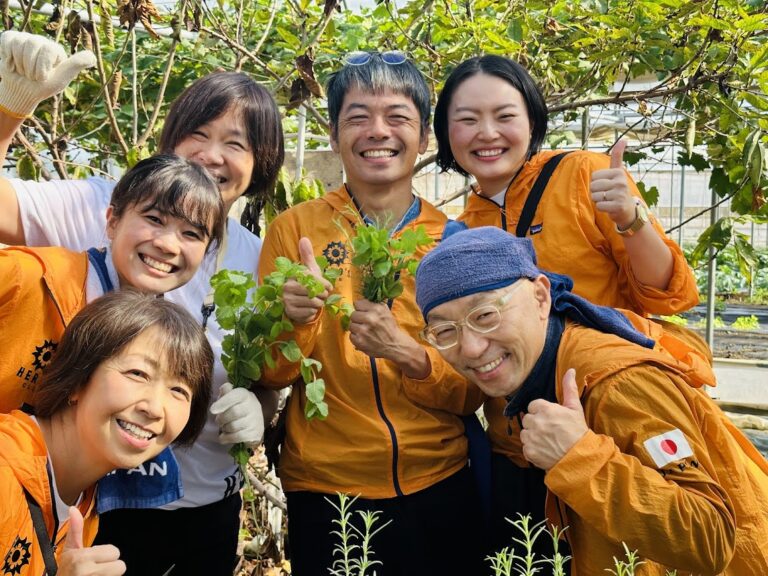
(488, 258)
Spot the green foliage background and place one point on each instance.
(707, 62)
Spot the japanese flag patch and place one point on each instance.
(668, 447)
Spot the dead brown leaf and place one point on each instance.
(304, 64)
(131, 11)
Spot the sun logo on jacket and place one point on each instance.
(17, 557)
(43, 354)
(335, 253)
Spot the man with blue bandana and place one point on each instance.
(606, 405)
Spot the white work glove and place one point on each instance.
(34, 68)
(239, 416)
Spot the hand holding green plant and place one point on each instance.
(301, 305)
(256, 321)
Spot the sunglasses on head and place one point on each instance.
(360, 58)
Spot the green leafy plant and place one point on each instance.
(558, 561)
(760, 296)
(257, 323)
(336, 305)
(381, 259)
(628, 567)
(717, 323)
(676, 319)
(529, 534)
(502, 561)
(746, 323)
(730, 280)
(354, 547)
(290, 191)
(506, 562)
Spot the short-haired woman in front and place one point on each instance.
(131, 376)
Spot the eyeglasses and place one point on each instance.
(361, 58)
(481, 319)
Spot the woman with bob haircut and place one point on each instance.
(589, 223)
(229, 124)
(131, 376)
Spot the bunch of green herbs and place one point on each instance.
(354, 551)
(381, 259)
(257, 325)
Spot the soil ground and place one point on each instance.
(730, 343)
(747, 345)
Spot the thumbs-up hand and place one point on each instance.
(299, 307)
(75, 534)
(610, 189)
(34, 68)
(550, 430)
(76, 560)
(307, 254)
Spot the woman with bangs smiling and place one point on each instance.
(131, 376)
(590, 221)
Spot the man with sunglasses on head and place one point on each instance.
(607, 404)
(405, 462)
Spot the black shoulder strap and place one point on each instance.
(534, 196)
(42, 535)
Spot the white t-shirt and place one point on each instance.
(499, 197)
(72, 214)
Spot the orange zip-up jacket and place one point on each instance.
(24, 465)
(42, 290)
(375, 441)
(571, 237)
(679, 343)
(706, 513)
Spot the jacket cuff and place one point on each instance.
(443, 389)
(15, 99)
(681, 292)
(572, 475)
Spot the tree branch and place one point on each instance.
(105, 83)
(160, 95)
(240, 48)
(405, 32)
(424, 162)
(259, 486)
(267, 27)
(317, 116)
(648, 94)
(451, 197)
(317, 33)
(705, 210)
